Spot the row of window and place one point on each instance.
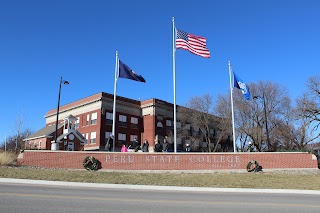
(191, 130)
(33, 145)
(94, 118)
(93, 136)
(121, 137)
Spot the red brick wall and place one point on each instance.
(168, 161)
(149, 129)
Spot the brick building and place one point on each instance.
(92, 117)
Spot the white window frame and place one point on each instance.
(93, 137)
(94, 118)
(88, 119)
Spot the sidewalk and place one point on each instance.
(157, 188)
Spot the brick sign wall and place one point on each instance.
(168, 161)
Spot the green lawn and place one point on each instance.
(270, 180)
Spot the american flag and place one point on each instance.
(195, 44)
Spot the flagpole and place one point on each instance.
(5, 142)
(231, 91)
(174, 87)
(116, 73)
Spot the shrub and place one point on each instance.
(7, 158)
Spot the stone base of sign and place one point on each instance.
(174, 162)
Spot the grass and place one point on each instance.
(7, 158)
(294, 180)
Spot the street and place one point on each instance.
(44, 198)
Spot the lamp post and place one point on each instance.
(55, 137)
(265, 115)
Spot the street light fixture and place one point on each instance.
(265, 115)
(55, 137)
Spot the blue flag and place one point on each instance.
(238, 83)
(126, 72)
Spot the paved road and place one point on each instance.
(74, 197)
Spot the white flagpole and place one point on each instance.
(231, 91)
(5, 143)
(174, 86)
(116, 73)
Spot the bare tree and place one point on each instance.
(312, 102)
(306, 121)
(257, 119)
(14, 142)
(205, 125)
(222, 110)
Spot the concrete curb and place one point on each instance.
(158, 188)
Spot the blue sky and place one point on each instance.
(274, 40)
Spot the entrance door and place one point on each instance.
(71, 146)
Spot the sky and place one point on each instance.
(40, 41)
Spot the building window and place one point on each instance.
(132, 137)
(178, 125)
(196, 131)
(107, 136)
(88, 118)
(122, 139)
(134, 123)
(169, 127)
(159, 128)
(94, 118)
(93, 137)
(218, 132)
(188, 142)
(211, 133)
(202, 131)
(134, 120)
(169, 132)
(40, 144)
(179, 141)
(109, 117)
(122, 120)
(187, 126)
